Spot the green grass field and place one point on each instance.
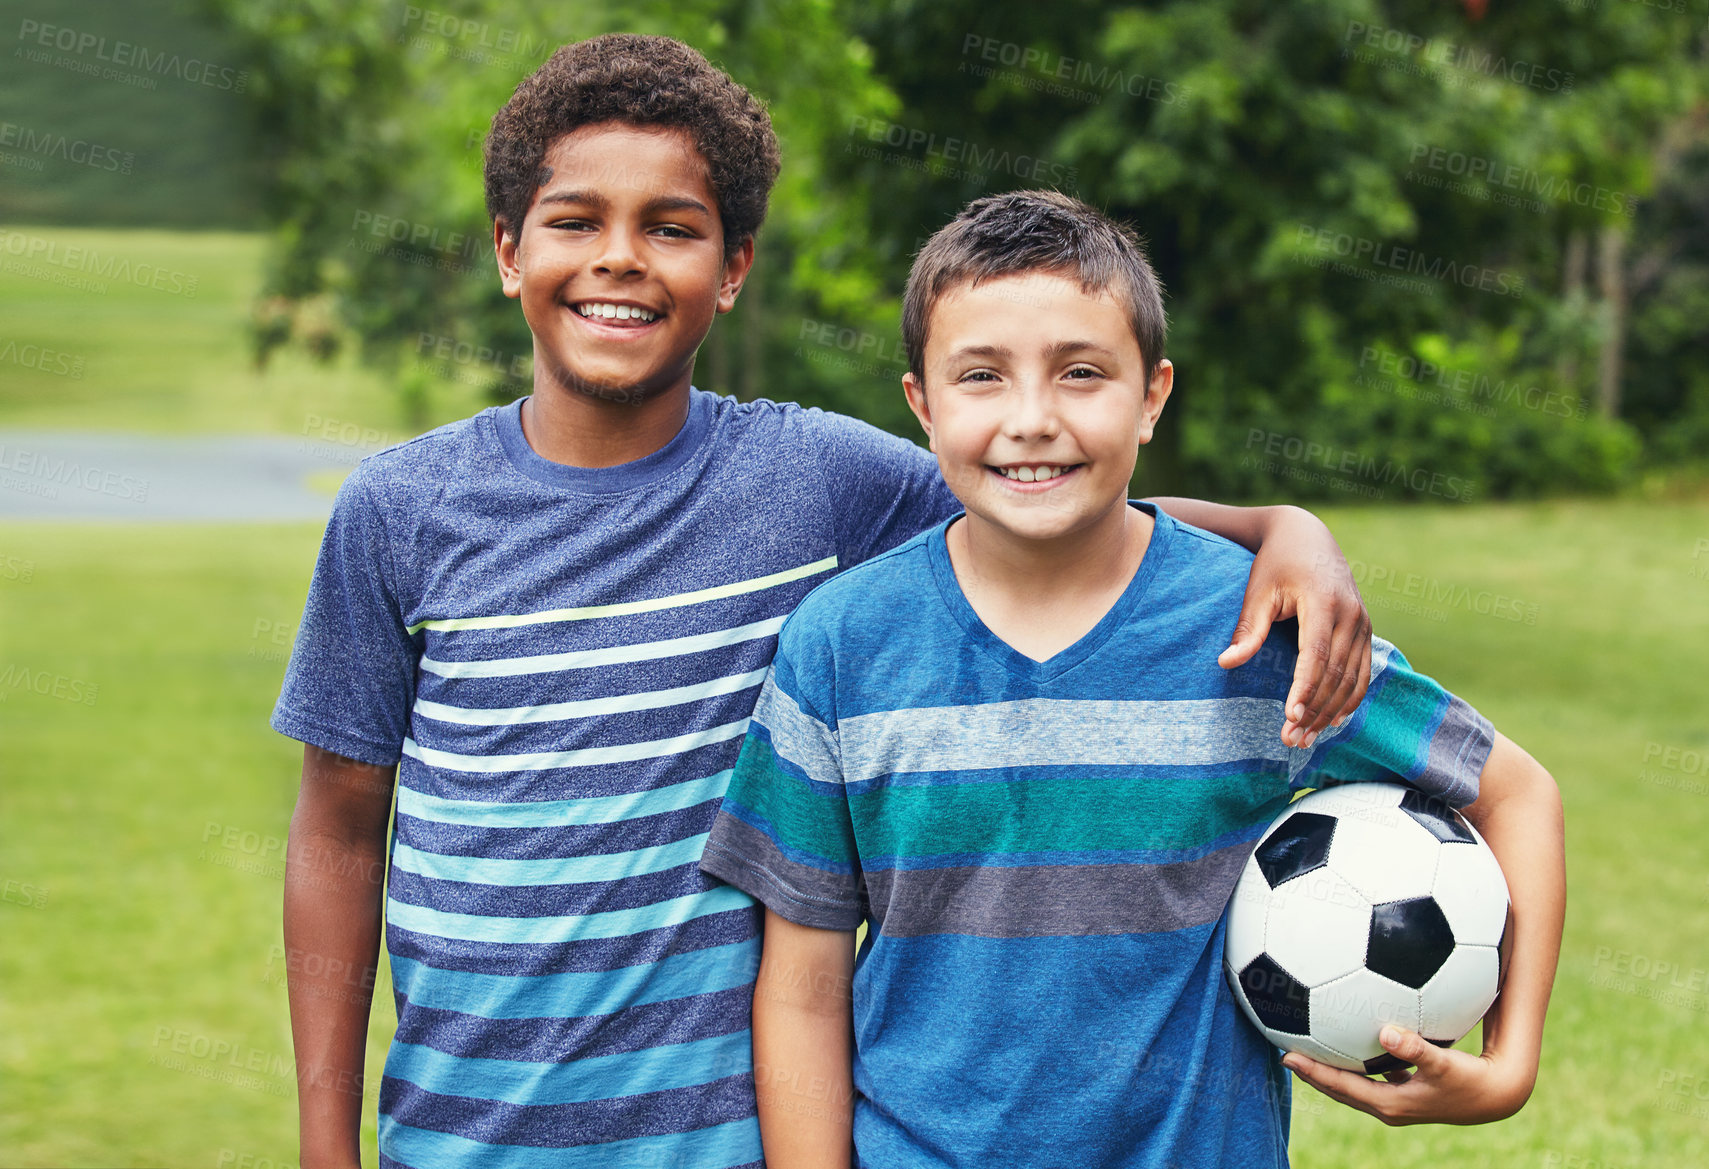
(142, 1006)
(174, 359)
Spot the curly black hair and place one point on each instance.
(644, 81)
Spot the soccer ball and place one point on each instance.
(1366, 904)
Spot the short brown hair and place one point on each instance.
(1035, 231)
(644, 81)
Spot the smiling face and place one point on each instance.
(1035, 401)
(620, 263)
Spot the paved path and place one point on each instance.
(132, 477)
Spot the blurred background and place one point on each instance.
(1439, 271)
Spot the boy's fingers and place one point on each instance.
(1250, 631)
(1344, 1087)
(1335, 652)
(1429, 1059)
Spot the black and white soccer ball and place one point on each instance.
(1366, 904)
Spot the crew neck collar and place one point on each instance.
(606, 480)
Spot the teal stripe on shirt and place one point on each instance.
(569, 870)
(558, 813)
(630, 1073)
(734, 1143)
(574, 994)
(573, 927)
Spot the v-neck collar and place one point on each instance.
(1012, 659)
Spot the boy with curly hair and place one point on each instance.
(548, 624)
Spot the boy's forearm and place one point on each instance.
(1246, 526)
(1523, 824)
(335, 866)
(803, 1046)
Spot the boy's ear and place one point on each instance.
(915, 390)
(736, 270)
(509, 269)
(1162, 383)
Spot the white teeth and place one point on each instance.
(1032, 474)
(620, 312)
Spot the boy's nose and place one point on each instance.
(619, 256)
(1032, 412)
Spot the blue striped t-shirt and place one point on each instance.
(564, 660)
(1043, 852)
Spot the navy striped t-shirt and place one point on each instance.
(563, 661)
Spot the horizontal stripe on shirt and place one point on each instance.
(548, 870)
(623, 608)
(587, 756)
(575, 994)
(551, 1038)
(589, 707)
(559, 813)
(679, 1065)
(582, 659)
(735, 1145)
(570, 927)
(1044, 731)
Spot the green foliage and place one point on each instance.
(1327, 188)
(152, 144)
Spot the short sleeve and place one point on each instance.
(351, 680)
(1408, 727)
(783, 834)
(883, 489)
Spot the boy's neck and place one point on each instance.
(581, 430)
(1042, 596)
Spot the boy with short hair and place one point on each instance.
(557, 614)
(1003, 746)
